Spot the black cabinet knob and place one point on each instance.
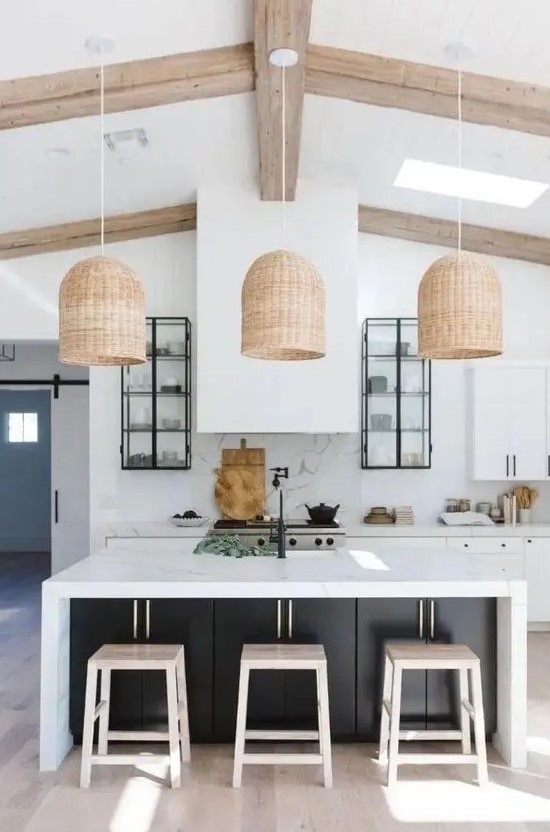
(318, 541)
(261, 541)
(292, 541)
(503, 545)
(466, 545)
(330, 541)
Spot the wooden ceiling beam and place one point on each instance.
(379, 221)
(85, 233)
(491, 241)
(431, 90)
(128, 86)
(279, 23)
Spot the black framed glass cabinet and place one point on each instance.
(156, 400)
(395, 396)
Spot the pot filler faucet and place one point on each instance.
(279, 537)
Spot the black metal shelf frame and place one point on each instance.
(182, 325)
(370, 362)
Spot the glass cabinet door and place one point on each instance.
(395, 396)
(137, 411)
(156, 399)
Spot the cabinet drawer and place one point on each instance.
(487, 545)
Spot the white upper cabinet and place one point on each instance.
(236, 394)
(510, 425)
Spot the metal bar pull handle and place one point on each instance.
(135, 622)
(507, 465)
(421, 618)
(56, 505)
(290, 619)
(514, 458)
(279, 617)
(147, 619)
(432, 619)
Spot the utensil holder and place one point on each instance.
(525, 515)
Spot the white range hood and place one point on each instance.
(236, 394)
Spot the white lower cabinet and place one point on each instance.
(537, 557)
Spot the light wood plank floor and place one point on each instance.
(282, 799)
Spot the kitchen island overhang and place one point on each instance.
(150, 573)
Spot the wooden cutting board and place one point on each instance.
(240, 488)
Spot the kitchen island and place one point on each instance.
(148, 573)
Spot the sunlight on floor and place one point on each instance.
(135, 810)
(437, 802)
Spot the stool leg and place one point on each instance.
(105, 696)
(184, 713)
(395, 719)
(242, 705)
(88, 729)
(324, 724)
(385, 717)
(479, 726)
(464, 715)
(173, 728)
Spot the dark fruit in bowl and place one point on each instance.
(187, 515)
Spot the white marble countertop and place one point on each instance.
(145, 529)
(152, 573)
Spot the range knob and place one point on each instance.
(318, 541)
(292, 541)
(261, 541)
(330, 541)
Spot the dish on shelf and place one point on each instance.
(188, 522)
(171, 424)
(141, 426)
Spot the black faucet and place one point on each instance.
(280, 537)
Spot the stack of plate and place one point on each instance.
(379, 515)
(404, 515)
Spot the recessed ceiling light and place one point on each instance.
(57, 153)
(477, 185)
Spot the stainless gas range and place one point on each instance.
(300, 534)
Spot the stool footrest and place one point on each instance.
(138, 736)
(468, 707)
(127, 759)
(435, 759)
(412, 735)
(99, 708)
(282, 759)
(281, 735)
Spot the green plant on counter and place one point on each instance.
(231, 546)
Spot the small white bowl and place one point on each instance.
(188, 522)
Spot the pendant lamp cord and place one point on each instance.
(460, 159)
(102, 155)
(283, 154)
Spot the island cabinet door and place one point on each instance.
(95, 622)
(332, 623)
(236, 622)
(380, 620)
(470, 621)
(187, 621)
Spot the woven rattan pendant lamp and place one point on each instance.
(101, 301)
(459, 298)
(283, 296)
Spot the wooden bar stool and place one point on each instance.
(284, 657)
(419, 656)
(167, 657)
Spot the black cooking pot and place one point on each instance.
(322, 514)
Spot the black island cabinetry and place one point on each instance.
(353, 632)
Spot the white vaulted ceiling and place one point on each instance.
(215, 139)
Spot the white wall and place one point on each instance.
(323, 467)
(239, 393)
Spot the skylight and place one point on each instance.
(468, 184)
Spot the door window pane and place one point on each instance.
(22, 427)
